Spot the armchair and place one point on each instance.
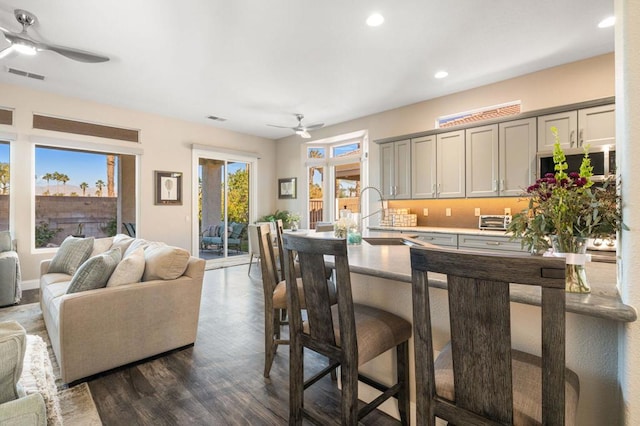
(15, 407)
(10, 290)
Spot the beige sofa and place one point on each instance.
(96, 330)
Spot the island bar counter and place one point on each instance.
(381, 277)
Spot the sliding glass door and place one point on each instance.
(224, 206)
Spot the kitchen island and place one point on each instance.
(381, 277)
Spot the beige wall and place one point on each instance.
(593, 78)
(166, 145)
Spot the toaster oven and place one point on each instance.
(498, 222)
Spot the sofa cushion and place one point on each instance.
(5, 241)
(136, 244)
(71, 254)
(100, 245)
(164, 263)
(95, 272)
(129, 270)
(12, 347)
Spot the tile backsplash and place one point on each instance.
(463, 211)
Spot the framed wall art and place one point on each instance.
(287, 188)
(168, 188)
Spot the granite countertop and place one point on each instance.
(393, 262)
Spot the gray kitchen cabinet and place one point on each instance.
(438, 238)
(482, 161)
(450, 165)
(597, 126)
(589, 126)
(395, 169)
(517, 156)
(488, 242)
(423, 167)
(501, 158)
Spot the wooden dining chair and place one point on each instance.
(478, 378)
(275, 296)
(348, 334)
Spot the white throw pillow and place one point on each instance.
(100, 245)
(122, 241)
(129, 270)
(164, 263)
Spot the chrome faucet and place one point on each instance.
(382, 201)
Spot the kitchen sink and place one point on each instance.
(390, 241)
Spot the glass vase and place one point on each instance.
(574, 250)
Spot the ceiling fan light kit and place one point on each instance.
(24, 44)
(300, 129)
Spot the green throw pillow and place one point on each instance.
(71, 254)
(95, 272)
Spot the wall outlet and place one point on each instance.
(447, 211)
(425, 212)
(477, 211)
(507, 211)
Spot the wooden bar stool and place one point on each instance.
(478, 378)
(275, 296)
(348, 334)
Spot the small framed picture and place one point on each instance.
(287, 188)
(168, 188)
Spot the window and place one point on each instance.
(5, 180)
(334, 183)
(82, 193)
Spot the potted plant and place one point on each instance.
(564, 210)
(284, 215)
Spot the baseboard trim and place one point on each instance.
(30, 284)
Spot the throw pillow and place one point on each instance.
(129, 270)
(100, 245)
(137, 243)
(164, 263)
(71, 254)
(122, 241)
(95, 272)
(5, 241)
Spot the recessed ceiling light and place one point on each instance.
(375, 19)
(441, 74)
(607, 22)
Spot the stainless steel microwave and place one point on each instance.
(602, 158)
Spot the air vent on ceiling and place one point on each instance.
(25, 74)
(214, 118)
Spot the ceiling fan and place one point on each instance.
(23, 43)
(301, 129)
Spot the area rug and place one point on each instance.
(76, 403)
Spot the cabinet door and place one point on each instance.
(489, 242)
(439, 239)
(517, 154)
(597, 126)
(482, 161)
(450, 165)
(387, 170)
(402, 175)
(567, 125)
(423, 167)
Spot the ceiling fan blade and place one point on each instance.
(71, 53)
(6, 52)
(281, 127)
(314, 126)
(304, 134)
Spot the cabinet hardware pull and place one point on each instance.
(571, 138)
(433, 190)
(501, 187)
(428, 238)
(495, 186)
(493, 243)
(581, 136)
(438, 189)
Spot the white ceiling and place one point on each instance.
(255, 62)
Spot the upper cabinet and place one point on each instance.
(482, 161)
(501, 158)
(395, 169)
(517, 156)
(437, 166)
(578, 128)
(450, 165)
(423, 167)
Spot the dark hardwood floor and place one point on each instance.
(218, 381)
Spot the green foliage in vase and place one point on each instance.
(286, 216)
(567, 205)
